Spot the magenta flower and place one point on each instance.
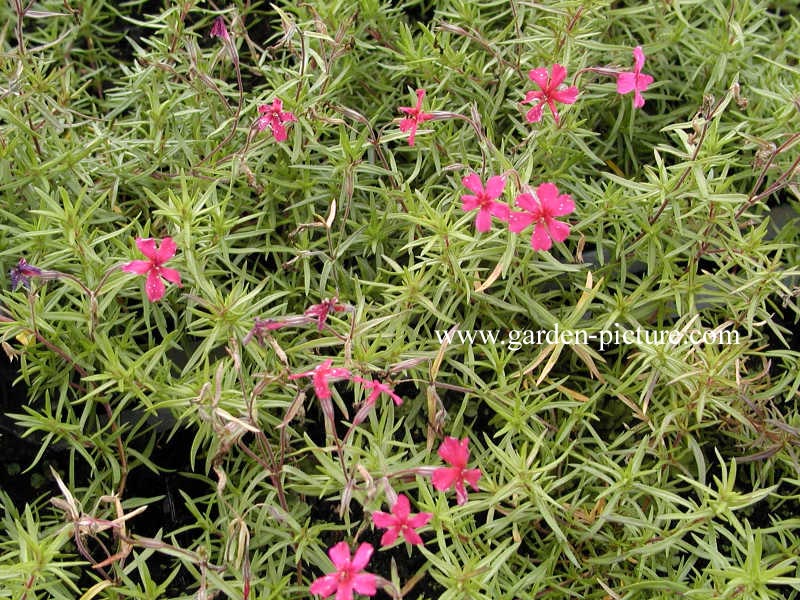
(320, 376)
(400, 522)
(484, 199)
(274, 118)
(414, 118)
(455, 453)
(541, 210)
(548, 93)
(635, 81)
(376, 389)
(219, 30)
(153, 267)
(321, 311)
(349, 574)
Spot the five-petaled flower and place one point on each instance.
(320, 376)
(153, 266)
(485, 200)
(400, 522)
(455, 453)
(274, 118)
(541, 210)
(414, 118)
(376, 389)
(635, 81)
(219, 30)
(321, 311)
(349, 575)
(549, 92)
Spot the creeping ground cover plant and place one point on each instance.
(399, 300)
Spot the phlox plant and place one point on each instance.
(399, 300)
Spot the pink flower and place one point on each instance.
(153, 267)
(321, 311)
(455, 453)
(540, 210)
(400, 521)
(549, 93)
(414, 118)
(320, 376)
(377, 388)
(635, 80)
(219, 30)
(274, 117)
(349, 574)
(484, 199)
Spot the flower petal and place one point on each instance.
(154, 286)
(412, 537)
(383, 520)
(517, 221)
(495, 186)
(389, 537)
(454, 451)
(539, 76)
(325, 585)
(559, 74)
(419, 520)
(340, 555)
(165, 251)
(472, 476)
(558, 231)
(626, 82)
(147, 246)
(279, 131)
(562, 205)
(362, 556)
(499, 210)
(443, 478)
(540, 240)
(638, 59)
(473, 183)
(401, 508)
(534, 115)
(140, 267)
(461, 492)
(469, 202)
(483, 222)
(567, 95)
(171, 275)
(345, 590)
(365, 583)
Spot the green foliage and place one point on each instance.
(616, 470)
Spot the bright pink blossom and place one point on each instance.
(349, 575)
(219, 30)
(549, 92)
(400, 522)
(414, 118)
(376, 389)
(635, 81)
(328, 306)
(320, 376)
(153, 267)
(455, 453)
(541, 210)
(274, 118)
(485, 200)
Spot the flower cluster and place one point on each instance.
(539, 209)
